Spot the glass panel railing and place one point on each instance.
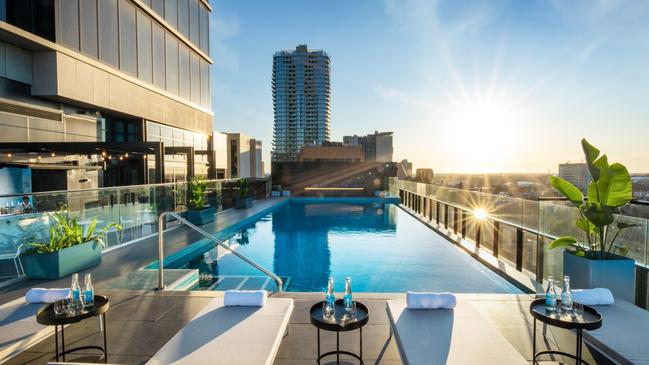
(523, 228)
(135, 208)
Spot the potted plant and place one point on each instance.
(598, 260)
(244, 196)
(199, 212)
(65, 249)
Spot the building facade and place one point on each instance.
(424, 175)
(331, 152)
(301, 101)
(376, 147)
(244, 157)
(576, 173)
(106, 86)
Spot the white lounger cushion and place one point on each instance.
(624, 335)
(229, 335)
(18, 327)
(449, 336)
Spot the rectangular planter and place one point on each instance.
(617, 274)
(58, 264)
(243, 203)
(201, 217)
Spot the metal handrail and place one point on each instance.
(161, 223)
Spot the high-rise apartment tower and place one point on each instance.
(300, 101)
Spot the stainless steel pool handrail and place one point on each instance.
(161, 223)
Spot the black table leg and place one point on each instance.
(103, 321)
(318, 345)
(534, 343)
(337, 347)
(361, 337)
(56, 342)
(63, 342)
(578, 352)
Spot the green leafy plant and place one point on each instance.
(197, 188)
(65, 232)
(245, 190)
(610, 189)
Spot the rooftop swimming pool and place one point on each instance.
(380, 246)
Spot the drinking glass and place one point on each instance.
(578, 310)
(60, 307)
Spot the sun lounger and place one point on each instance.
(229, 335)
(448, 336)
(623, 336)
(19, 329)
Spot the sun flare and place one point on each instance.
(480, 136)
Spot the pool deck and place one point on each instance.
(139, 323)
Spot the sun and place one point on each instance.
(480, 136)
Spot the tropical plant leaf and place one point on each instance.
(567, 241)
(598, 214)
(623, 225)
(585, 225)
(614, 187)
(591, 152)
(567, 189)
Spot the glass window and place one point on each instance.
(158, 55)
(108, 32)
(88, 26)
(205, 83)
(193, 21)
(196, 78)
(171, 12)
(172, 63)
(205, 30)
(184, 76)
(183, 17)
(127, 38)
(159, 7)
(144, 68)
(69, 27)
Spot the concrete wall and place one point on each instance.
(22, 128)
(62, 77)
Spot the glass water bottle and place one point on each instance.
(76, 303)
(551, 296)
(330, 300)
(88, 292)
(348, 301)
(566, 295)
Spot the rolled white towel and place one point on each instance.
(245, 298)
(596, 296)
(43, 295)
(424, 300)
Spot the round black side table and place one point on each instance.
(340, 323)
(47, 317)
(590, 320)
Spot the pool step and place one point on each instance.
(246, 282)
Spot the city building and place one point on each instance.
(220, 145)
(104, 93)
(424, 175)
(256, 162)
(244, 157)
(576, 173)
(331, 152)
(301, 101)
(407, 167)
(376, 147)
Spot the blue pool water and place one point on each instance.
(381, 247)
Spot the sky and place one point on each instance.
(466, 86)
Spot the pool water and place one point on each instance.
(380, 246)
